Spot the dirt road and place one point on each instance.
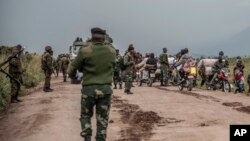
(151, 114)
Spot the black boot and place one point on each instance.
(128, 92)
(87, 138)
(47, 90)
(115, 87)
(18, 100)
(120, 86)
(13, 100)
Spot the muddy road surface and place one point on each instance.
(150, 114)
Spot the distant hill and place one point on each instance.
(238, 44)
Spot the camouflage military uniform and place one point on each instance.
(56, 67)
(15, 70)
(64, 65)
(129, 71)
(98, 73)
(117, 72)
(47, 66)
(164, 68)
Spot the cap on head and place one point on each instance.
(98, 31)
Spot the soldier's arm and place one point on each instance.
(166, 60)
(181, 61)
(49, 62)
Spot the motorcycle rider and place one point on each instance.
(217, 67)
(238, 74)
(184, 58)
(221, 53)
(151, 62)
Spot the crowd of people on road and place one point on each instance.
(102, 65)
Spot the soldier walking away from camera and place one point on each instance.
(117, 72)
(129, 62)
(15, 70)
(97, 83)
(64, 65)
(47, 67)
(56, 67)
(164, 67)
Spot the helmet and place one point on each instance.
(221, 53)
(48, 48)
(130, 47)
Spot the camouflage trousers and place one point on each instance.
(64, 71)
(117, 78)
(164, 73)
(47, 74)
(57, 71)
(15, 86)
(100, 97)
(128, 80)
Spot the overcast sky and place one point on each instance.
(148, 24)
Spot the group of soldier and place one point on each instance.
(98, 75)
(50, 65)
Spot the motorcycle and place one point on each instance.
(148, 77)
(220, 82)
(239, 81)
(187, 78)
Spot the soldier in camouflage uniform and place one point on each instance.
(97, 83)
(164, 67)
(56, 67)
(129, 62)
(15, 70)
(117, 73)
(47, 67)
(64, 65)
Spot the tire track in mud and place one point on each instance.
(140, 123)
(238, 106)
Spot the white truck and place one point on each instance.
(73, 51)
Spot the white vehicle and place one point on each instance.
(73, 51)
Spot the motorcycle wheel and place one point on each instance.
(150, 83)
(226, 87)
(140, 83)
(190, 84)
(208, 87)
(181, 86)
